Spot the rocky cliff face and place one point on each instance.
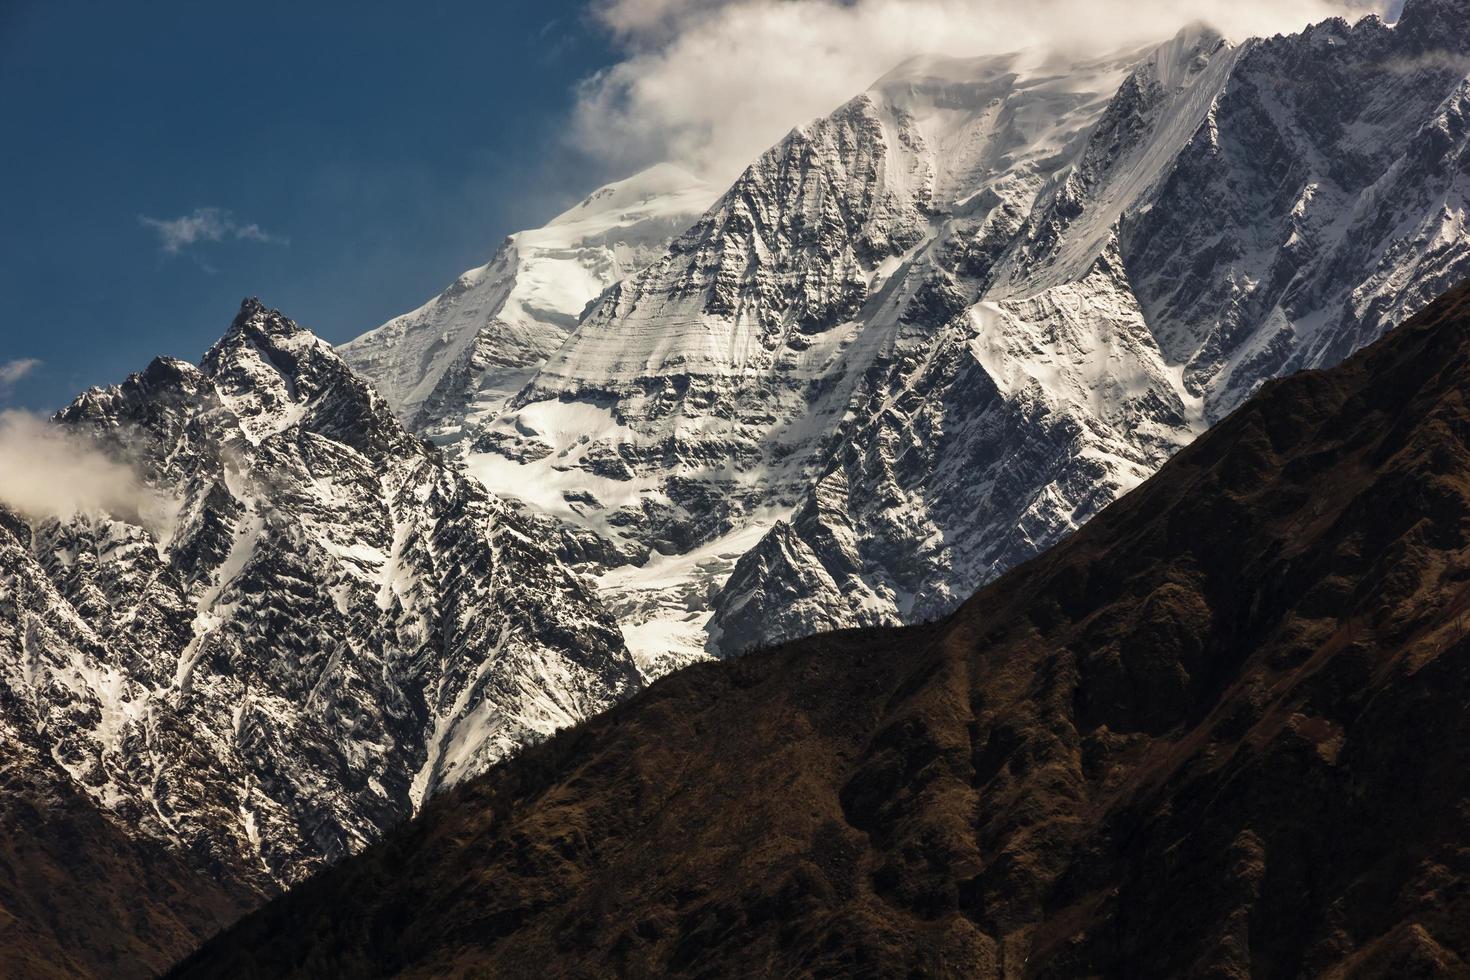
(928, 336)
(1237, 214)
(1220, 731)
(324, 625)
(698, 400)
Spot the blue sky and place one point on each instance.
(359, 157)
(345, 161)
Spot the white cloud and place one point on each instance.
(1442, 60)
(46, 471)
(205, 225)
(13, 371)
(710, 84)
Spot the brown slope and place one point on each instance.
(1223, 731)
(81, 897)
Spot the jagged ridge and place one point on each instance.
(334, 625)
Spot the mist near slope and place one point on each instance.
(710, 84)
(48, 472)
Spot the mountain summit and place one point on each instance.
(459, 356)
(332, 624)
(916, 344)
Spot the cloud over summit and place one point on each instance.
(709, 84)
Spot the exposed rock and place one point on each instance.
(333, 625)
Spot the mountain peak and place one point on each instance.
(653, 185)
(273, 373)
(262, 333)
(254, 316)
(354, 615)
(472, 346)
(1185, 54)
(251, 306)
(934, 71)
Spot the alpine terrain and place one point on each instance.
(915, 345)
(320, 626)
(1219, 732)
(458, 357)
(926, 337)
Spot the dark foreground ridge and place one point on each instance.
(80, 897)
(1222, 731)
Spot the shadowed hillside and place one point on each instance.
(80, 897)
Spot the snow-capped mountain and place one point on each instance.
(917, 342)
(1239, 213)
(458, 357)
(698, 400)
(925, 337)
(330, 624)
